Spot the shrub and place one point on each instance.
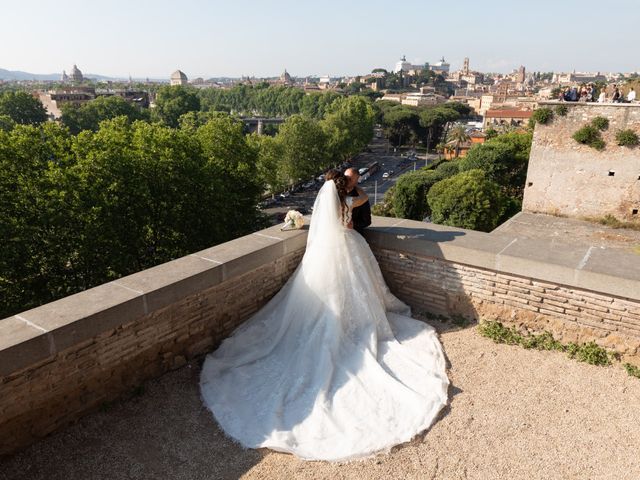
(448, 169)
(589, 353)
(589, 135)
(410, 195)
(562, 110)
(600, 123)
(542, 115)
(632, 370)
(467, 200)
(627, 138)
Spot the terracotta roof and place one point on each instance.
(509, 113)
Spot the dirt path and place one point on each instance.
(513, 414)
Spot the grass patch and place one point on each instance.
(627, 138)
(562, 110)
(611, 221)
(589, 135)
(460, 320)
(632, 370)
(587, 352)
(433, 316)
(601, 123)
(542, 115)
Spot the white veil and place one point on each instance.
(327, 230)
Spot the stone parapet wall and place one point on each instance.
(579, 294)
(66, 358)
(568, 178)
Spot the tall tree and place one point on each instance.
(174, 101)
(304, 148)
(89, 115)
(22, 108)
(457, 137)
(349, 126)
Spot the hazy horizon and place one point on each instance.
(218, 39)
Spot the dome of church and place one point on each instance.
(76, 74)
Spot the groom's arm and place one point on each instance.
(361, 199)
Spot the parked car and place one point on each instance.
(385, 175)
(286, 194)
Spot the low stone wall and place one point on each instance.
(66, 358)
(577, 293)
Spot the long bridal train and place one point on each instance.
(333, 367)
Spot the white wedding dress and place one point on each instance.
(333, 367)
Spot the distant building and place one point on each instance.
(76, 75)
(285, 79)
(55, 99)
(440, 67)
(407, 67)
(475, 137)
(506, 118)
(419, 99)
(179, 78)
(403, 66)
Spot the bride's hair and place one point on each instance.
(342, 185)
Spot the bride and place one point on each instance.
(333, 367)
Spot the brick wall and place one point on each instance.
(58, 388)
(572, 315)
(66, 358)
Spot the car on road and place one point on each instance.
(385, 175)
(286, 194)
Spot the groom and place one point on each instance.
(360, 216)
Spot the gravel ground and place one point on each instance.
(513, 414)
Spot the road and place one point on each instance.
(375, 186)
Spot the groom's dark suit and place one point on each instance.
(361, 216)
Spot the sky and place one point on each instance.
(152, 38)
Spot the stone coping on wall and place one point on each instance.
(34, 335)
(590, 104)
(602, 270)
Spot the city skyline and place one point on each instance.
(215, 39)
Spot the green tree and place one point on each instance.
(401, 124)
(410, 194)
(348, 126)
(467, 200)
(304, 148)
(22, 108)
(226, 148)
(270, 161)
(457, 137)
(504, 159)
(6, 123)
(37, 255)
(174, 101)
(89, 115)
(434, 120)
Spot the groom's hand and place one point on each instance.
(350, 225)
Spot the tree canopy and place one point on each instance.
(22, 108)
